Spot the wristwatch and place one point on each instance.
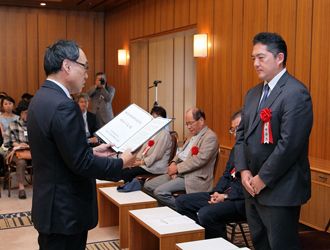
(226, 197)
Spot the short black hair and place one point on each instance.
(9, 99)
(26, 96)
(236, 114)
(57, 53)
(274, 42)
(160, 111)
(101, 74)
(198, 113)
(22, 106)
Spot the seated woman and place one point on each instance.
(6, 117)
(16, 135)
(154, 155)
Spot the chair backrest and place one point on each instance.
(216, 163)
(175, 139)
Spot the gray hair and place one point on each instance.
(82, 95)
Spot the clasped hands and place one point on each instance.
(252, 184)
(216, 198)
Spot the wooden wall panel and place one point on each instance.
(237, 52)
(139, 74)
(222, 47)
(178, 110)
(136, 17)
(51, 27)
(303, 41)
(167, 15)
(149, 17)
(285, 27)
(99, 46)
(181, 13)
(190, 79)
(193, 12)
(320, 90)
(204, 67)
(252, 25)
(32, 53)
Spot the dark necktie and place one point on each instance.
(266, 87)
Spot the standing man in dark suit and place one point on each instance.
(271, 150)
(64, 203)
(224, 203)
(102, 95)
(90, 120)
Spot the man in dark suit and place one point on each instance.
(271, 150)
(64, 204)
(102, 95)
(90, 120)
(224, 203)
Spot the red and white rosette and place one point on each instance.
(267, 136)
(194, 150)
(150, 144)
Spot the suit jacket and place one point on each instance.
(232, 185)
(283, 166)
(64, 188)
(101, 100)
(158, 155)
(198, 169)
(92, 123)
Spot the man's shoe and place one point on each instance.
(22, 194)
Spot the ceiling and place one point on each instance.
(83, 5)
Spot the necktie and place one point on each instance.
(266, 87)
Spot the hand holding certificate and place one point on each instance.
(131, 128)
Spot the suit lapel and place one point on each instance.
(270, 101)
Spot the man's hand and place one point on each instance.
(216, 198)
(137, 162)
(172, 169)
(257, 184)
(246, 176)
(128, 158)
(93, 140)
(104, 150)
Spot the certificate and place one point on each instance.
(131, 128)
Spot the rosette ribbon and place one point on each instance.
(194, 150)
(267, 136)
(150, 144)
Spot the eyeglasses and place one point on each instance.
(232, 130)
(190, 123)
(84, 65)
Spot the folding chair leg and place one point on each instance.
(243, 234)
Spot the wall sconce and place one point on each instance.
(200, 45)
(122, 58)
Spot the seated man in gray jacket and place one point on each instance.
(192, 169)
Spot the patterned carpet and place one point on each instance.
(13, 220)
(104, 245)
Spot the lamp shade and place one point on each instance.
(200, 45)
(122, 57)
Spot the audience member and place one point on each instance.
(64, 204)
(224, 203)
(271, 150)
(16, 136)
(90, 120)
(2, 95)
(192, 169)
(102, 95)
(27, 97)
(5, 118)
(154, 155)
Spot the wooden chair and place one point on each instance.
(11, 166)
(176, 194)
(233, 225)
(311, 240)
(145, 177)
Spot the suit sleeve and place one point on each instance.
(108, 93)
(70, 139)
(91, 91)
(207, 148)
(161, 145)
(296, 124)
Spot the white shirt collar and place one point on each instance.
(275, 79)
(61, 86)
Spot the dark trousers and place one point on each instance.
(211, 217)
(273, 227)
(63, 242)
(128, 174)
